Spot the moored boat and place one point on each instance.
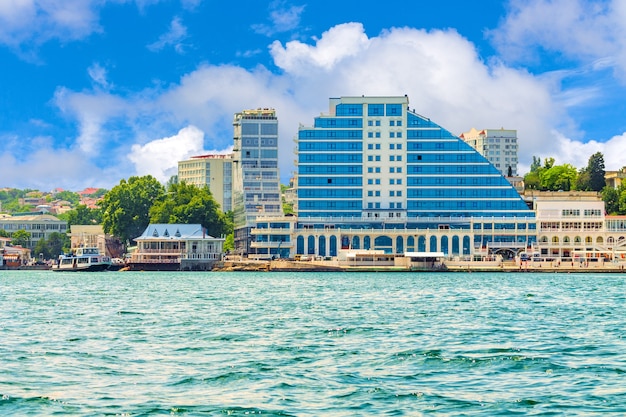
(87, 259)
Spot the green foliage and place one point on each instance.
(595, 168)
(532, 181)
(534, 167)
(83, 215)
(558, 177)
(229, 242)
(20, 238)
(610, 196)
(4, 233)
(53, 247)
(187, 203)
(125, 208)
(548, 163)
(70, 196)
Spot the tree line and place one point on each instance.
(551, 177)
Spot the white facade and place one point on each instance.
(215, 171)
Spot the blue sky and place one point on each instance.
(93, 91)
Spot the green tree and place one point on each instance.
(70, 196)
(20, 238)
(125, 208)
(558, 177)
(83, 215)
(610, 196)
(536, 165)
(229, 242)
(595, 168)
(188, 203)
(4, 233)
(53, 247)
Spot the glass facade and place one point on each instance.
(372, 157)
(256, 182)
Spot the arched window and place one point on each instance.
(566, 239)
(555, 240)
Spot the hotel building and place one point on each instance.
(256, 182)
(216, 171)
(374, 175)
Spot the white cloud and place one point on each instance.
(582, 30)
(283, 19)
(99, 75)
(174, 37)
(441, 72)
(160, 157)
(38, 21)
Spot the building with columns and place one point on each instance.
(372, 174)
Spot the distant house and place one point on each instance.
(173, 247)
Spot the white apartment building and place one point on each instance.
(498, 146)
(214, 170)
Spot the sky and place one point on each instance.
(96, 91)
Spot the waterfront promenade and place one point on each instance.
(446, 266)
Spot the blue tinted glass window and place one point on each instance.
(375, 110)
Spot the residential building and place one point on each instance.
(169, 247)
(256, 181)
(614, 178)
(39, 226)
(213, 170)
(499, 146)
(374, 175)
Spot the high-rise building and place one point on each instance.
(499, 146)
(373, 174)
(216, 171)
(256, 182)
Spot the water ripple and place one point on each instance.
(303, 344)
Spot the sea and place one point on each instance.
(312, 344)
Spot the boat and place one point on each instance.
(88, 259)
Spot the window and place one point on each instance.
(370, 193)
(370, 181)
(391, 158)
(377, 122)
(398, 193)
(399, 169)
(370, 146)
(377, 193)
(377, 134)
(392, 146)
(377, 158)
(377, 182)
(392, 123)
(399, 181)
(370, 170)
(377, 170)
(370, 123)
(398, 146)
(398, 157)
(391, 181)
(392, 169)
(399, 123)
(370, 158)
(370, 134)
(399, 134)
(392, 193)
(391, 134)
(378, 146)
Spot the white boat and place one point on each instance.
(84, 259)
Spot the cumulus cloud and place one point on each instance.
(41, 20)
(441, 72)
(580, 30)
(160, 157)
(98, 74)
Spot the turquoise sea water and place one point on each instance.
(310, 344)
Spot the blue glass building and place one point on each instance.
(372, 166)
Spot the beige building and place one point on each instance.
(614, 178)
(213, 170)
(499, 146)
(39, 226)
